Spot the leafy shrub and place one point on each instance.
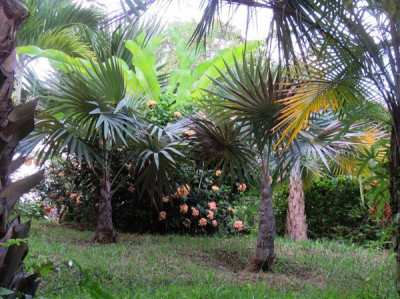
(30, 209)
(334, 210)
(70, 188)
(165, 111)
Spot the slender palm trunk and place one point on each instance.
(105, 232)
(265, 250)
(296, 225)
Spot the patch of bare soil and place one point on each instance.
(285, 273)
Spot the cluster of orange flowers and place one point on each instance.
(203, 222)
(162, 215)
(212, 207)
(195, 212)
(77, 198)
(189, 132)
(242, 187)
(238, 225)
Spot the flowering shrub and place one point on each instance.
(199, 204)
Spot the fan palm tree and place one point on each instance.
(88, 114)
(358, 42)
(249, 94)
(53, 26)
(319, 144)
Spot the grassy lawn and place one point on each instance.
(209, 267)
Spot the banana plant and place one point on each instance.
(189, 79)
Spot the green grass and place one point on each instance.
(209, 267)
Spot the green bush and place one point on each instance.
(70, 188)
(334, 210)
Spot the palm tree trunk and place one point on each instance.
(12, 276)
(105, 232)
(296, 225)
(395, 190)
(265, 250)
(12, 14)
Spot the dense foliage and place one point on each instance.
(335, 210)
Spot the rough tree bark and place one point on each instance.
(12, 14)
(296, 225)
(265, 250)
(15, 124)
(105, 232)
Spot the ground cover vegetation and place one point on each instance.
(143, 132)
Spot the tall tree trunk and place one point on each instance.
(296, 225)
(105, 232)
(265, 250)
(395, 190)
(12, 129)
(12, 14)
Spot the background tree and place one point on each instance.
(318, 149)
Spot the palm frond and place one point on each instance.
(250, 93)
(224, 147)
(316, 88)
(159, 156)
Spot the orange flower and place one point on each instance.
(210, 215)
(230, 209)
(212, 205)
(165, 199)
(162, 215)
(189, 132)
(151, 103)
(203, 222)
(214, 223)
(183, 208)
(242, 187)
(238, 225)
(73, 195)
(177, 114)
(215, 188)
(195, 212)
(78, 200)
(61, 174)
(218, 172)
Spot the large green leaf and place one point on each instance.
(226, 57)
(145, 69)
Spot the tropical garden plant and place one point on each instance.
(342, 35)
(249, 95)
(16, 123)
